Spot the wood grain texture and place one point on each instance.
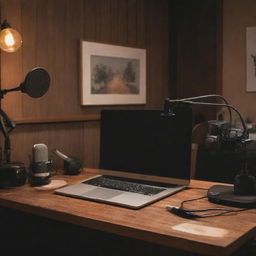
(51, 31)
(197, 55)
(67, 119)
(152, 223)
(65, 137)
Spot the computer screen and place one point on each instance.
(145, 142)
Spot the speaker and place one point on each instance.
(12, 175)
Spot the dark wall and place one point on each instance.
(182, 43)
(196, 58)
(51, 31)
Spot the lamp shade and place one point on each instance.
(10, 40)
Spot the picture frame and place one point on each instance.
(112, 74)
(251, 59)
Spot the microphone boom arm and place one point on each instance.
(210, 96)
(169, 103)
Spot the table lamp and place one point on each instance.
(36, 84)
(243, 192)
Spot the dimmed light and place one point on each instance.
(10, 39)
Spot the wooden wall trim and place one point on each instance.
(71, 119)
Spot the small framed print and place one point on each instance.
(112, 75)
(251, 59)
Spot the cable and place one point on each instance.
(192, 213)
(168, 111)
(210, 96)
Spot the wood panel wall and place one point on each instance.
(196, 33)
(237, 16)
(51, 31)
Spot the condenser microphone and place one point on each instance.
(40, 165)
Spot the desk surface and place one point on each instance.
(211, 236)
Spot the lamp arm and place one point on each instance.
(245, 131)
(210, 96)
(11, 124)
(7, 142)
(5, 91)
(6, 126)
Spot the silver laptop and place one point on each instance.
(143, 158)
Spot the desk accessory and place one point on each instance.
(183, 212)
(40, 166)
(72, 165)
(36, 84)
(243, 193)
(54, 184)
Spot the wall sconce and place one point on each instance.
(10, 39)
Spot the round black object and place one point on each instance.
(72, 166)
(245, 185)
(36, 83)
(12, 175)
(39, 173)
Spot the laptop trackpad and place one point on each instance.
(101, 193)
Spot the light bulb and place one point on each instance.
(10, 40)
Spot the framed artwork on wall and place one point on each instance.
(112, 75)
(251, 59)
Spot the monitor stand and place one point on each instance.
(222, 194)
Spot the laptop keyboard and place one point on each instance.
(124, 184)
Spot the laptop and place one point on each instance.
(143, 157)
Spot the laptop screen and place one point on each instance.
(144, 142)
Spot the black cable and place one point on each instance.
(245, 132)
(192, 213)
(189, 200)
(210, 96)
(168, 111)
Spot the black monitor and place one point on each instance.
(145, 142)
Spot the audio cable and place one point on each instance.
(195, 213)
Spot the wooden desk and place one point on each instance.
(215, 236)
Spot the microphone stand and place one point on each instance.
(210, 96)
(5, 120)
(11, 174)
(243, 193)
(7, 143)
(36, 84)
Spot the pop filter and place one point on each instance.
(36, 83)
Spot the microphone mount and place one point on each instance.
(169, 105)
(5, 91)
(243, 193)
(36, 84)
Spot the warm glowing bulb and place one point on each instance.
(10, 40)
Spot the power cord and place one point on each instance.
(192, 214)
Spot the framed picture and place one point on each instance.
(251, 59)
(112, 75)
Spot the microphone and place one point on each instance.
(72, 165)
(40, 166)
